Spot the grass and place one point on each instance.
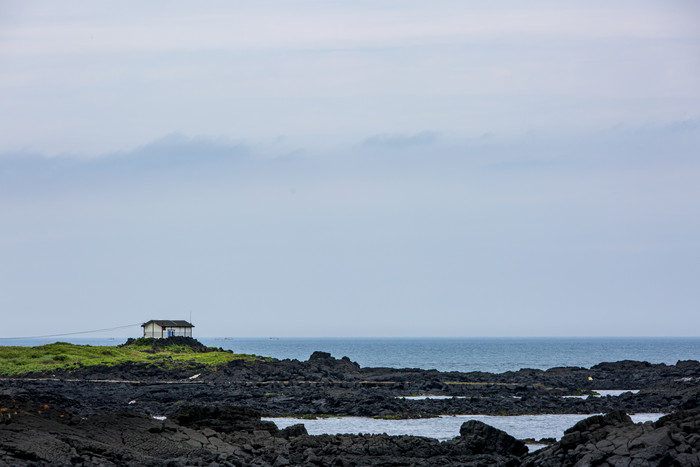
(15, 361)
(314, 416)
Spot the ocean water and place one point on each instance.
(448, 354)
(447, 426)
(475, 354)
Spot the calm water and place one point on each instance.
(475, 354)
(466, 354)
(447, 427)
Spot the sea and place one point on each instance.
(495, 355)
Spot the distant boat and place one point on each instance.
(273, 338)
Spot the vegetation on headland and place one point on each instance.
(15, 361)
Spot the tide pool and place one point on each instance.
(447, 427)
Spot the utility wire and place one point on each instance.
(74, 333)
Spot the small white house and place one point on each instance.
(161, 328)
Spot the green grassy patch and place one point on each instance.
(386, 417)
(313, 416)
(61, 355)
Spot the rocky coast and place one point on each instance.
(105, 414)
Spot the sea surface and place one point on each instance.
(494, 355)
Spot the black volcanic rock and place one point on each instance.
(293, 431)
(38, 434)
(163, 343)
(318, 355)
(225, 419)
(228, 435)
(324, 385)
(613, 439)
(101, 415)
(482, 438)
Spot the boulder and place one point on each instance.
(293, 431)
(481, 438)
(613, 439)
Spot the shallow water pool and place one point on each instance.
(447, 427)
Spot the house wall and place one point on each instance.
(177, 331)
(152, 330)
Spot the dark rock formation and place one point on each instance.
(225, 419)
(229, 436)
(483, 438)
(613, 439)
(37, 429)
(326, 385)
(38, 434)
(103, 414)
(163, 343)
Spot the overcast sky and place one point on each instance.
(351, 168)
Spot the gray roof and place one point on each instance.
(177, 323)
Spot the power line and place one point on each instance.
(75, 333)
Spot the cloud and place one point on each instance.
(334, 71)
(650, 146)
(423, 138)
(228, 231)
(172, 150)
(581, 202)
(176, 149)
(170, 157)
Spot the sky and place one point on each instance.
(336, 169)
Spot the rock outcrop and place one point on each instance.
(613, 439)
(36, 433)
(324, 385)
(41, 435)
(484, 438)
(105, 415)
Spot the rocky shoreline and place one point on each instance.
(105, 415)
